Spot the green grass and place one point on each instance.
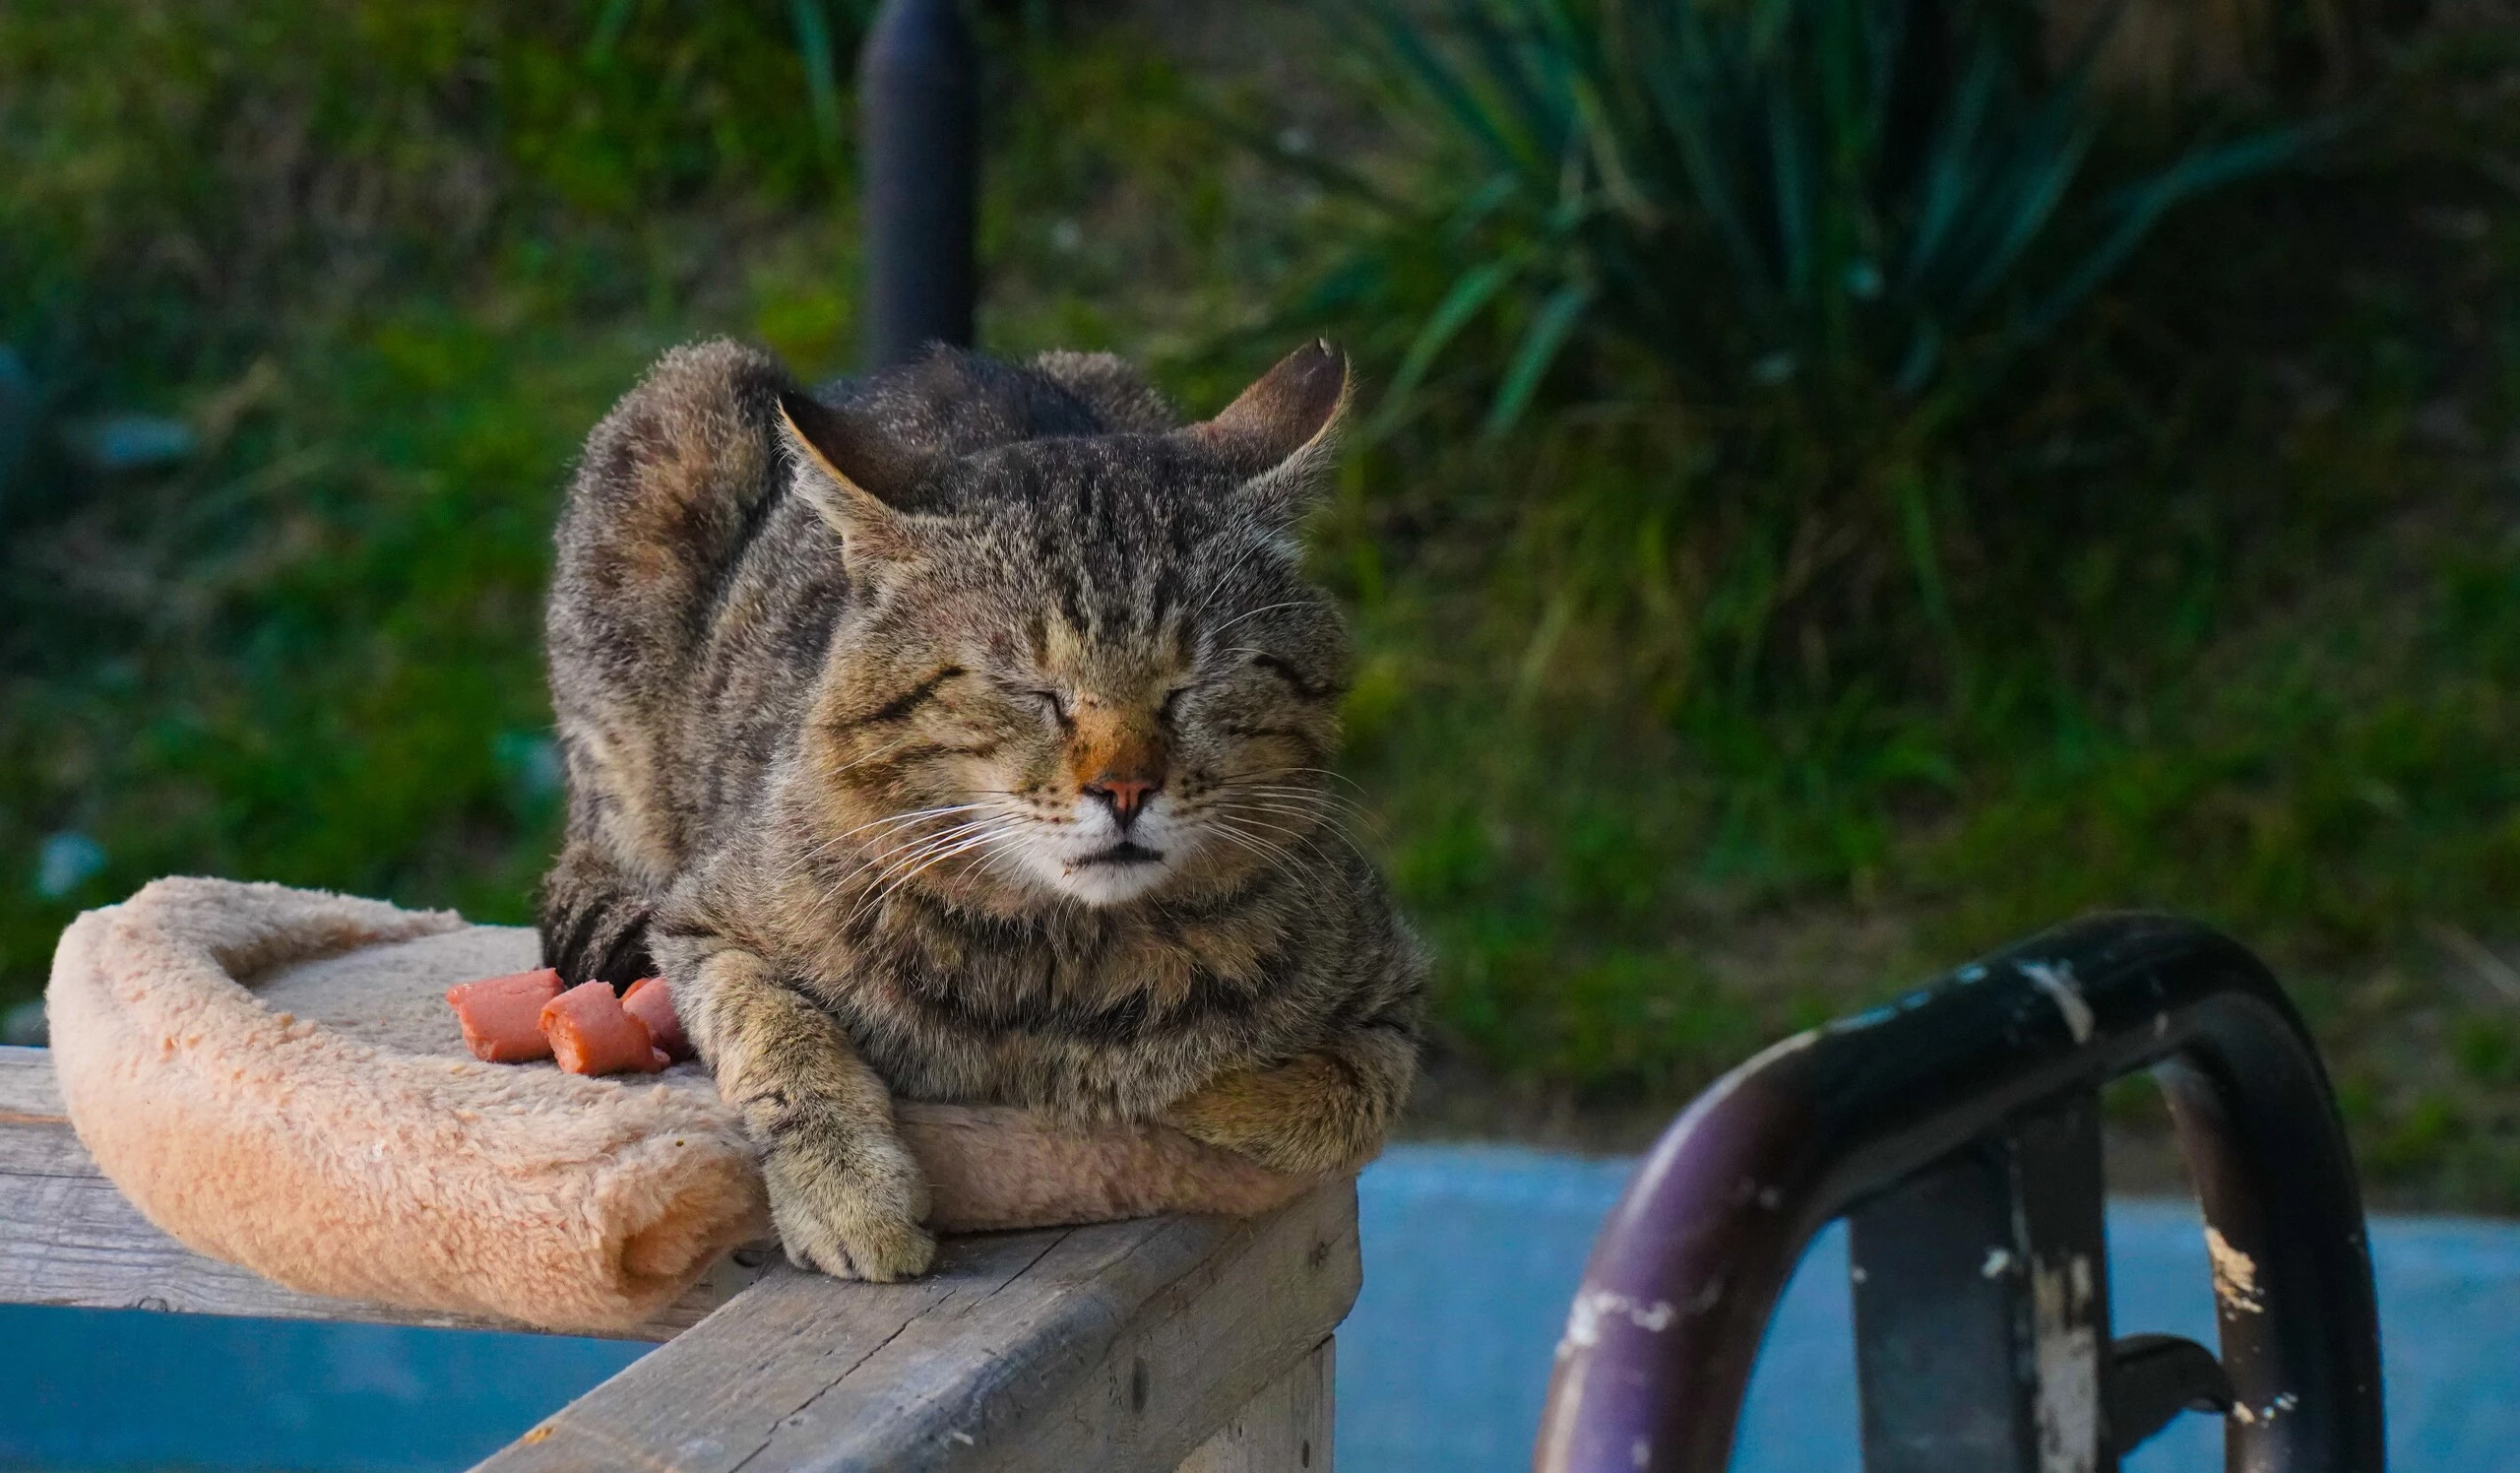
(2230, 584)
(2226, 609)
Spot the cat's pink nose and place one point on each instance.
(1126, 796)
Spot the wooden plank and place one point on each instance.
(26, 1087)
(68, 1237)
(1286, 1429)
(1118, 1347)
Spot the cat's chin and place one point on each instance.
(1109, 880)
(1099, 863)
(1114, 874)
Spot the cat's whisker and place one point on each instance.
(1275, 778)
(1313, 802)
(976, 841)
(1245, 817)
(1222, 579)
(894, 819)
(1253, 615)
(818, 850)
(1305, 839)
(1247, 806)
(1285, 861)
(990, 865)
(1338, 803)
(811, 855)
(909, 849)
(1308, 795)
(871, 898)
(884, 862)
(1292, 808)
(890, 860)
(912, 851)
(887, 861)
(1240, 824)
(1314, 826)
(880, 752)
(1261, 781)
(931, 859)
(1334, 776)
(1269, 854)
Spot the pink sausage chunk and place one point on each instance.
(651, 1003)
(502, 1016)
(591, 1034)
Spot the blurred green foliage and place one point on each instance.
(2208, 602)
(1872, 203)
(1690, 717)
(386, 260)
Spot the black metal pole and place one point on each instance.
(918, 101)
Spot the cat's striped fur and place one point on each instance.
(961, 733)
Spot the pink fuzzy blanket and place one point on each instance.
(273, 1077)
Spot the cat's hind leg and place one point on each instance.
(1318, 1115)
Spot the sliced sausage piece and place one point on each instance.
(502, 1016)
(652, 1003)
(591, 1034)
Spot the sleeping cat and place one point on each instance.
(961, 733)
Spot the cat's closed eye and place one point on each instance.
(1054, 706)
(1288, 674)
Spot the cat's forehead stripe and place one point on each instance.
(1118, 566)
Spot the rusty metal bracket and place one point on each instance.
(1957, 1130)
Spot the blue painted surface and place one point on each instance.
(96, 1389)
(1472, 1254)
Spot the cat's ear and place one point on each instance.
(847, 473)
(1280, 433)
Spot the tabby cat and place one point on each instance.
(961, 733)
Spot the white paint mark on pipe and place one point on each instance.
(2234, 1276)
(2065, 1346)
(2056, 980)
(1591, 1307)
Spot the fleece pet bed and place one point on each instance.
(273, 1077)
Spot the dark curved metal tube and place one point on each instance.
(1688, 1269)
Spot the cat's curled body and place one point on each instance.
(961, 733)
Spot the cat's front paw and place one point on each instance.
(851, 1208)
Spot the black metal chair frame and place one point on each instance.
(1958, 1129)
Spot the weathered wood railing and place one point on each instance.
(1197, 1343)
